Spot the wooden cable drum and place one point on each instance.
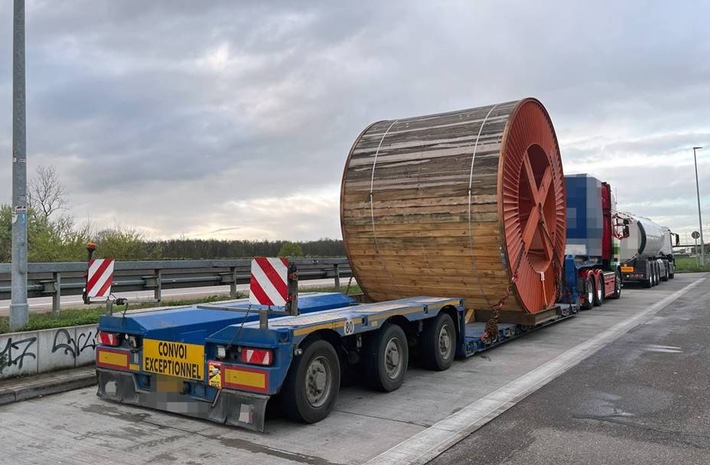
(466, 204)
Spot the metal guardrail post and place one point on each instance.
(233, 284)
(337, 276)
(57, 295)
(158, 292)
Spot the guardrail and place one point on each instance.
(68, 278)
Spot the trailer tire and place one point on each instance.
(589, 293)
(598, 290)
(647, 283)
(311, 386)
(617, 285)
(386, 358)
(439, 343)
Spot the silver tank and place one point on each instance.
(646, 239)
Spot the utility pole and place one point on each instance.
(19, 311)
(700, 215)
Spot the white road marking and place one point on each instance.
(429, 443)
(662, 349)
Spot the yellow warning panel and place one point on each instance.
(174, 359)
(245, 378)
(111, 358)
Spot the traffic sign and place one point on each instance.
(695, 234)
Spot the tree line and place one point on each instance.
(53, 236)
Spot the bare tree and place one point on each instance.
(47, 193)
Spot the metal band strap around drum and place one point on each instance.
(470, 186)
(372, 186)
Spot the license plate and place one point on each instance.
(168, 384)
(174, 359)
(627, 269)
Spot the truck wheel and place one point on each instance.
(387, 358)
(655, 275)
(671, 273)
(598, 290)
(439, 343)
(588, 293)
(311, 386)
(665, 273)
(617, 285)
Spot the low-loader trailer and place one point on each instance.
(224, 364)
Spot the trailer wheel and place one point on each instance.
(649, 282)
(654, 269)
(598, 290)
(311, 386)
(439, 343)
(387, 358)
(617, 285)
(588, 293)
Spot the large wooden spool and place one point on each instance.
(462, 204)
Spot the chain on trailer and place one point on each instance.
(491, 331)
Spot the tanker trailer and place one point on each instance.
(468, 203)
(646, 251)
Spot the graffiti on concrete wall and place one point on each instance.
(46, 350)
(63, 340)
(15, 351)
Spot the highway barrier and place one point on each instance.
(68, 278)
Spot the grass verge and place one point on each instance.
(90, 315)
(690, 265)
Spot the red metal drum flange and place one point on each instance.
(532, 206)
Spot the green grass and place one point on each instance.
(690, 265)
(354, 289)
(90, 315)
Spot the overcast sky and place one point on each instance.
(233, 119)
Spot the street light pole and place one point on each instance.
(19, 313)
(700, 215)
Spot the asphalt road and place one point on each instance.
(548, 397)
(641, 400)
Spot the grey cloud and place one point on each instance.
(124, 100)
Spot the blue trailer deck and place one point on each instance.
(168, 361)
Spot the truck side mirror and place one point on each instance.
(621, 228)
(677, 239)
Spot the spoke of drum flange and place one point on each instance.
(539, 198)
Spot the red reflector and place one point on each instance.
(108, 339)
(257, 356)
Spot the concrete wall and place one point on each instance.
(33, 352)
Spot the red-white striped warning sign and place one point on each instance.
(268, 285)
(99, 278)
(257, 356)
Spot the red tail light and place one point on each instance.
(263, 357)
(108, 339)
